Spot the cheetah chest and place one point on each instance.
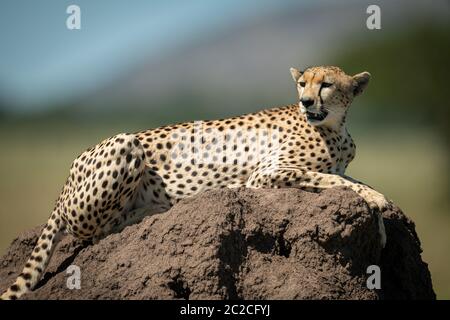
(324, 150)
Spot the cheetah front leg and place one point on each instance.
(300, 178)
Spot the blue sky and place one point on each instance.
(41, 61)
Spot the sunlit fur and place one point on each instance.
(333, 98)
(129, 176)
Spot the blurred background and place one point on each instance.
(140, 64)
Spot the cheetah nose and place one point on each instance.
(307, 102)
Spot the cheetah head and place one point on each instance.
(326, 93)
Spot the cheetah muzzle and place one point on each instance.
(316, 117)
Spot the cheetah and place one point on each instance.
(129, 176)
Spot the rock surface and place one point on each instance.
(240, 244)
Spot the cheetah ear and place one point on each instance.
(360, 82)
(295, 74)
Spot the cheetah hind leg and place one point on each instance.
(40, 256)
(95, 193)
(127, 219)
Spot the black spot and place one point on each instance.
(128, 158)
(14, 288)
(137, 163)
(26, 276)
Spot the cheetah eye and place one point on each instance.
(302, 84)
(326, 84)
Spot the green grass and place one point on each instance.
(410, 167)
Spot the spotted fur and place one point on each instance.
(129, 176)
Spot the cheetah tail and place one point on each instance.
(39, 259)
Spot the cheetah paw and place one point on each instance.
(377, 201)
(378, 204)
(381, 229)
